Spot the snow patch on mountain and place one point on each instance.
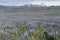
(46, 3)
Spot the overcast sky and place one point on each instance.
(19, 2)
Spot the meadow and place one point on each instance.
(30, 24)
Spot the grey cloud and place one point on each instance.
(46, 0)
(1, 1)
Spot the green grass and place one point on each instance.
(58, 37)
(2, 36)
(8, 27)
(37, 35)
(52, 14)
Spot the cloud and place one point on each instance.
(46, 0)
(47, 3)
(19, 2)
(2, 0)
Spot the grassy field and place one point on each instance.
(20, 31)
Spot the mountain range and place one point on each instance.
(27, 7)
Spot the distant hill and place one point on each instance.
(26, 7)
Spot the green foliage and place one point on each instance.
(2, 36)
(21, 29)
(8, 27)
(58, 37)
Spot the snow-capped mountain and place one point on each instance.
(47, 3)
(32, 5)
